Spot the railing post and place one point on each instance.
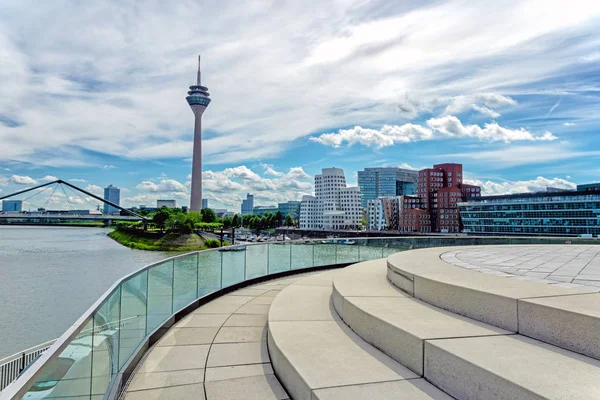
(22, 367)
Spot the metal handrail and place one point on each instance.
(22, 384)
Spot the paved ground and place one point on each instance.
(562, 265)
(217, 352)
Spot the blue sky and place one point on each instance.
(95, 94)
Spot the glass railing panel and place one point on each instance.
(133, 315)
(209, 272)
(185, 281)
(160, 295)
(233, 264)
(69, 375)
(257, 258)
(303, 255)
(347, 251)
(369, 249)
(105, 352)
(279, 257)
(325, 253)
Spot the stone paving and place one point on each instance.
(573, 266)
(219, 351)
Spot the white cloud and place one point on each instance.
(165, 185)
(407, 166)
(538, 184)
(94, 189)
(269, 170)
(3, 181)
(48, 178)
(438, 128)
(78, 180)
(22, 180)
(346, 68)
(451, 126)
(569, 124)
(486, 111)
(108, 167)
(388, 135)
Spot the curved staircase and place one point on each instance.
(415, 327)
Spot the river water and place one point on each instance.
(49, 276)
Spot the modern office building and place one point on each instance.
(385, 182)
(112, 194)
(566, 213)
(401, 213)
(198, 99)
(166, 203)
(248, 204)
(334, 205)
(291, 208)
(262, 210)
(12, 205)
(204, 203)
(382, 213)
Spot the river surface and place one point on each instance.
(49, 276)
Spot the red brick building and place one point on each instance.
(440, 189)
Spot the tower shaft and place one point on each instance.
(196, 198)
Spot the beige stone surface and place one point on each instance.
(237, 354)
(239, 334)
(237, 371)
(175, 358)
(412, 389)
(187, 336)
(300, 302)
(572, 322)
(246, 320)
(155, 380)
(169, 393)
(202, 320)
(510, 367)
(260, 387)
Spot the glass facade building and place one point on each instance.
(385, 182)
(566, 213)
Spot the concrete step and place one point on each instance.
(316, 356)
(465, 358)
(569, 318)
(393, 321)
(510, 367)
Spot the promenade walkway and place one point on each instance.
(219, 351)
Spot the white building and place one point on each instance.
(112, 194)
(166, 203)
(334, 205)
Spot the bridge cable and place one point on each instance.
(69, 205)
(36, 193)
(51, 194)
(85, 199)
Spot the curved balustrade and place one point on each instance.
(92, 357)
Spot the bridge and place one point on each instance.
(42, 216)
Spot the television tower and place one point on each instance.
(198, 99)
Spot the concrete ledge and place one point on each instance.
(394, 322)
(487, 298)
(317, 357)
(510, 367)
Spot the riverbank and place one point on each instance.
(168, 242)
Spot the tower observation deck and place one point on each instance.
(198, 98)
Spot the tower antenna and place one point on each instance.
(198, 79)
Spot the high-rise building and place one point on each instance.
(291, 208)
(385, 182)
(248, 204)
(198, 99)
(12, 205)
(112, 194)
(334, 205)
(441, 189)
(549, 213)
(166, 203)
(262, 210)
(204, 203)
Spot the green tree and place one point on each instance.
(278, 219)
(289, 221)
(236, 223)
(208, 215)
(227, 222)
(161, 217)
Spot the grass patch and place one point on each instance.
(169, 242)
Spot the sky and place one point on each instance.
(94, 93)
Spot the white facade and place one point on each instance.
(376, 220)
(334, 205)
(166, 203)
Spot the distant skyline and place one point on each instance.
(510, 89)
